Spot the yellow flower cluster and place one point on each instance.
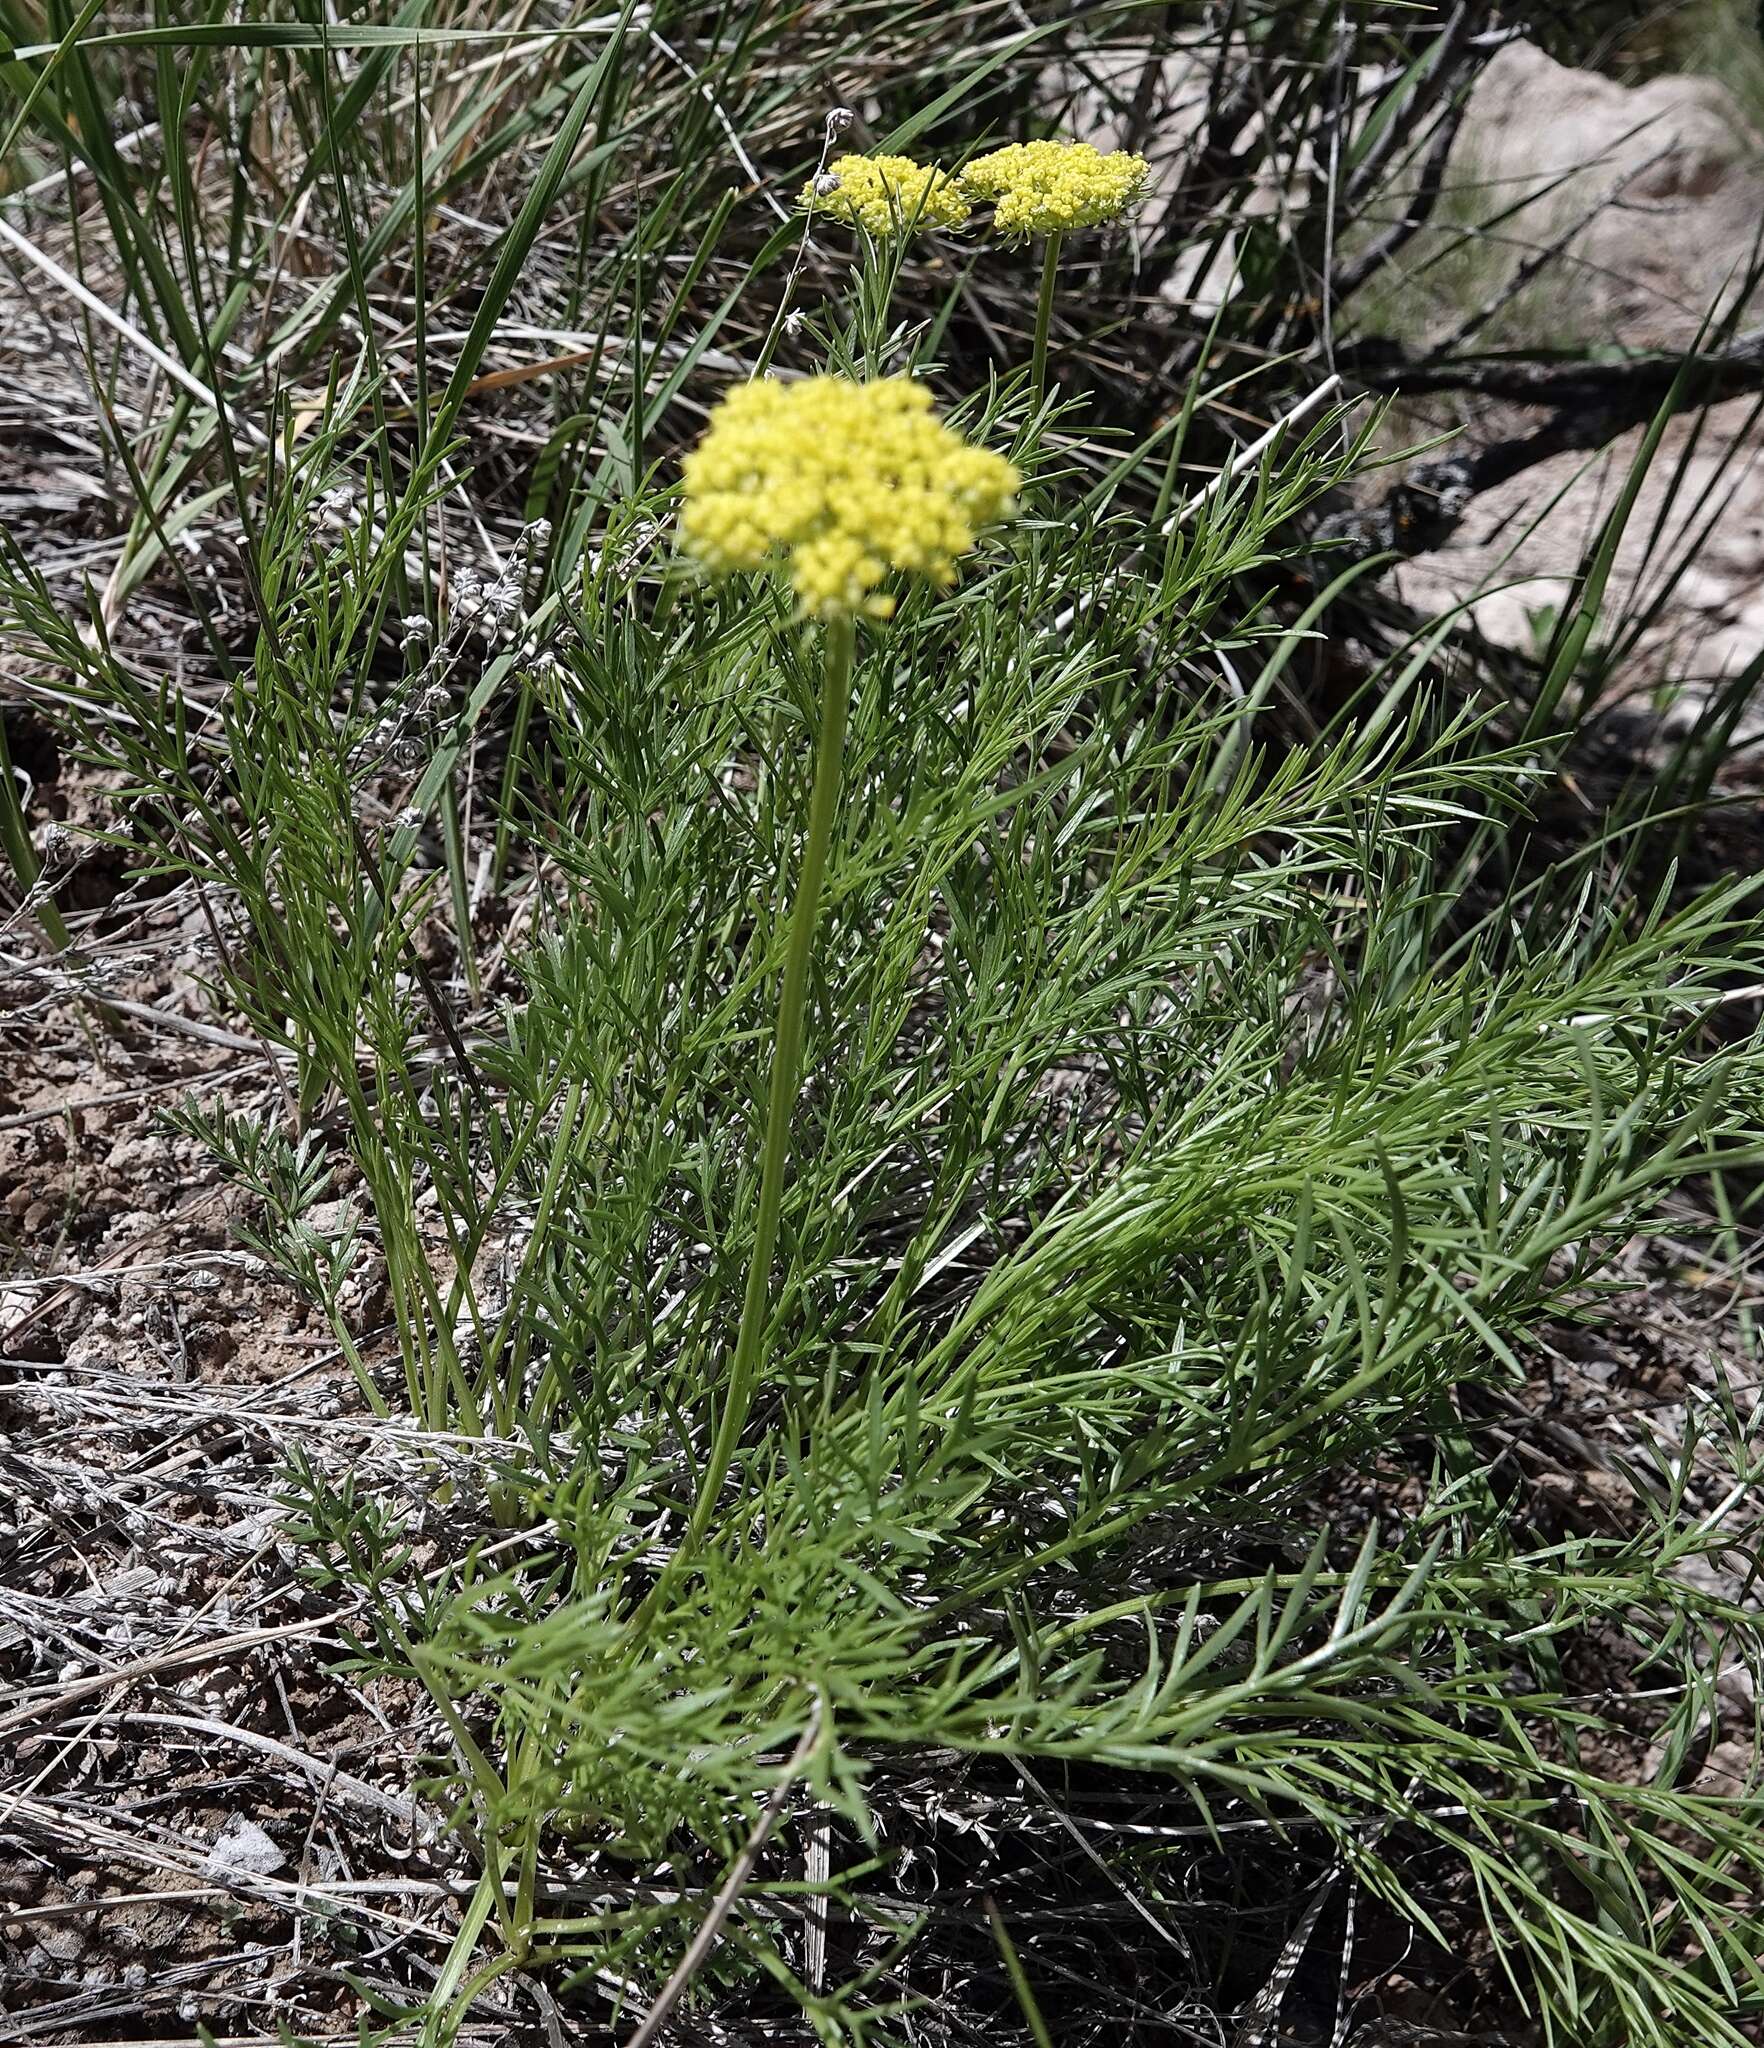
(886, 195)
(1053, 188)
(847, 481)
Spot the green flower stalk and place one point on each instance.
(1054, 189)
(885, 201)
(844, 484)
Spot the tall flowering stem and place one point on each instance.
(837, 650)
(1053, 189)
(887, 201)
(844, 485)
(1050, 270)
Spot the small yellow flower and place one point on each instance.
(886, 195)
(1054, 188)
(847, 481)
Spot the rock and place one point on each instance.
(1731, 1770)
(1519, 545)
(332, 1219)
(136, 1155)
(242, 1849)
(62, 1942)
(1659, 187)
(1656, 192)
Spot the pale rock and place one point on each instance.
(1662, 183)
(1666, 182)
(242, 1849)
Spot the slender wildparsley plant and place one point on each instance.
(849, 483)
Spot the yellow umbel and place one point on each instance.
(1055, 188)
(886, 195)
(846, 482)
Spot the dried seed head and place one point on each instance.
(335, 511)
(55, 844)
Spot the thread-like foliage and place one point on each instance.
(1214, 1086)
